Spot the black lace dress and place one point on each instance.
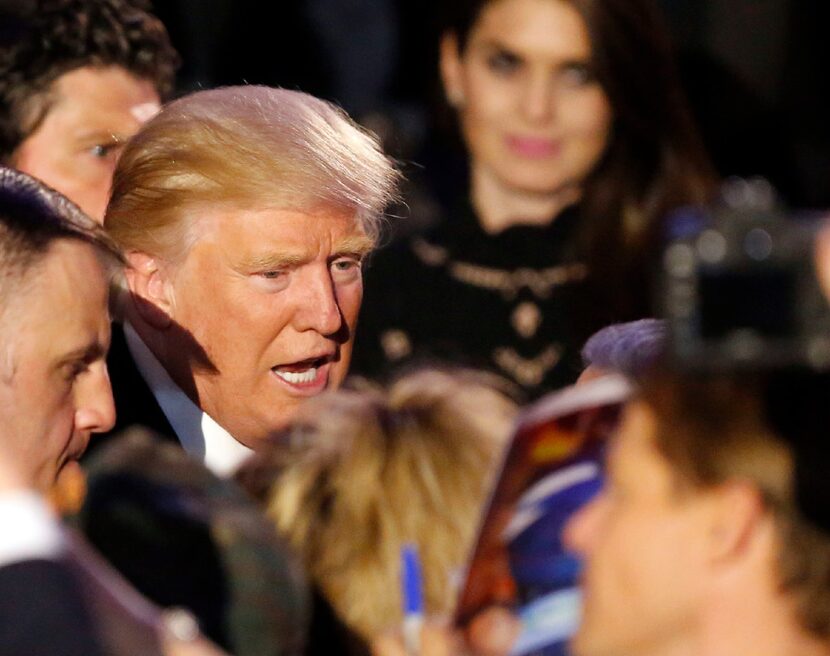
(457, 294)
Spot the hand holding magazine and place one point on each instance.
(552, 467)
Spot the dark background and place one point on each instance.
(754, 71)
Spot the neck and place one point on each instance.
(750, 615)
(768, 632)
(499, 206)
(160, 346)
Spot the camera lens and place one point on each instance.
(711, 246)
(679, 260)
(758, 244)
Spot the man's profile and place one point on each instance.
(54, 329)
(702, 541)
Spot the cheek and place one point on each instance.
(58, 422)
(488, 106)
(349, 299)
(590, 116)
(624, 553)
(207, 329)
(93, 193)
(203, 305)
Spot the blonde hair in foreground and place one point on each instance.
(373, 470)
(246, 147)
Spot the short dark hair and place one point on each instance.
(768, 429)
(58, 36)
(32, 218)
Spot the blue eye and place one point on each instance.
(271, 280)
(503, 62)
(577, 74)
(346, 269)
(102, 151)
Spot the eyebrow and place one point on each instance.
(495, 44)
(269, 261)
(99, 134)
(88, 353)
(355, 246)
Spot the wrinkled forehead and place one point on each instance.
(289, 221)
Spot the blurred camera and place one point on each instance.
(738, 285)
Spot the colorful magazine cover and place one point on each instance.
(552, 467)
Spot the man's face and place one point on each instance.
(642, 542)
(54, 387)
(93, 114)
(267, 302)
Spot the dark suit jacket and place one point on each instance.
(42, 612)
(134, 401)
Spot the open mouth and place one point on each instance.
(306, 373)
(298, 378)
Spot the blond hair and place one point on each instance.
(251, 147)
(369, 471)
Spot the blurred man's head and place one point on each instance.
(77, 80)
(699, 535)
(54, 328)
(246, 213)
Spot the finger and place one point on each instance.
(493, 632)
(388, 644)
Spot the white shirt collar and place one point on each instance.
(197, 431)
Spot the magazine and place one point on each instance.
(552, 467)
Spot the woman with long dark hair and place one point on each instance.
(578, 142)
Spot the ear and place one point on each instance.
(150, 287)
(822, 258)
(451, 70)
(736, 523)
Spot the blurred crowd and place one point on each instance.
(287, 289)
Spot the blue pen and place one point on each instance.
(413, 599)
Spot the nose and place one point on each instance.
(579, 531)
(538, 98)
(95, 408)
(318, 308)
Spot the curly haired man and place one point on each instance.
(77, 80)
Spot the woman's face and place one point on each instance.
(532, 114)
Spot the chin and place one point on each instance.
(535, 183)
(580, 646)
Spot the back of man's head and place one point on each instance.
(768, 430)
(32, 218)
(247, 148)
(54, 37)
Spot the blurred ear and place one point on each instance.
(822, 258)
(737, 521)
(451, 70)
(151, 290)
